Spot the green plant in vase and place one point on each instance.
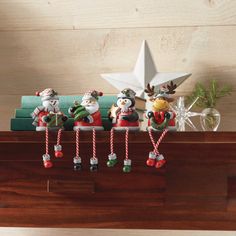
(207, 100)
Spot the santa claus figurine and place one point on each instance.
(87, 117)
(124, 118)
(48, 117)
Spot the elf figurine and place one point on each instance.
(124, 118)
(160, 118)
(48, 117)
(87, 117)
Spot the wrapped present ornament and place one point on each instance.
(161, 118)
(55, 120)
(48, 117)
(124, 118)
(87, 117)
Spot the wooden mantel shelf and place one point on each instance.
(135, 137)
(195, 190)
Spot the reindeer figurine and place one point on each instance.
(160, 118)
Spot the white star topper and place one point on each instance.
(144, 72)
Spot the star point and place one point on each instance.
(143, 73)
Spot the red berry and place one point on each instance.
(58, 154)
(47, 164)
(151, 162)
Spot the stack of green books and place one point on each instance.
(23, 121)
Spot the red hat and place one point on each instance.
(47, 94)
(92, 95)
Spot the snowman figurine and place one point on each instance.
(124, 118)
(87, 117)
(48, 117)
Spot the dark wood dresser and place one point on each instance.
(195, 190)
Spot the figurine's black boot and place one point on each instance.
(77, 163)
(93, 164)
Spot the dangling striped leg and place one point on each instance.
(127, 161)
(94, 159)
(155, 158)
(112, 158)
(58, 147)
(46, 157)
(77, 158)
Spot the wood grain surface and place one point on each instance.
(195, 190)
(80, 14)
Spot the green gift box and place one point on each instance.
(55, 120)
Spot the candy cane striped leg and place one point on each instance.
(155, 158)
(58, 147)
(94, 159)
(127, 161)
(46, 157)
(151, 161)
(112, 158)
(160, 158)
(77, 159)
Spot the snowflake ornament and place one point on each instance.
(183, 114)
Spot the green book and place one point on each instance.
(66, 101)
(25, 112)
(25, 124)
(22, 124)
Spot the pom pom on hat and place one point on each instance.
(92, 95)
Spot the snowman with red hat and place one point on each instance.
(48, 117)
(124, 118)
(87, 117)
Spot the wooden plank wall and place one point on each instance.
(66, 44)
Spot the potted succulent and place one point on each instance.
(207, 100)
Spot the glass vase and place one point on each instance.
(210, 119)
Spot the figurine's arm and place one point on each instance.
(36, 111)
(170, 115)
(88, 119)
(64, 118)
(132, 117)
(73, 108)
(71, 111)
(46, 119)
(149, 114)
